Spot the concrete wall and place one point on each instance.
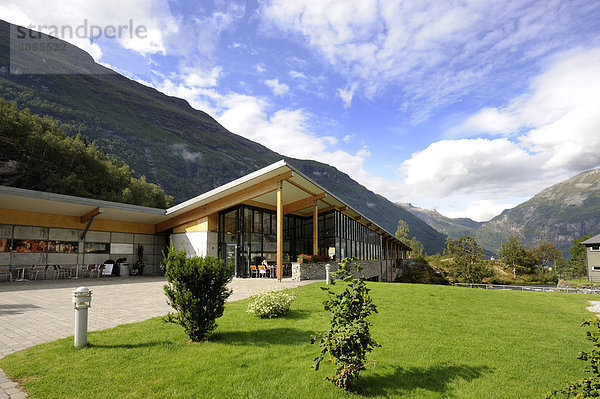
(122, 245)
(316, 270)
(197, 243)
(593, 262)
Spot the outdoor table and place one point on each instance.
(22, 273)
(76, 267)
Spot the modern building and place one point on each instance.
(274, 214)
(592, 255)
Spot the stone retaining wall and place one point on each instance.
(316, 270)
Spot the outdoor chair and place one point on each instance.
(262, 271)
(35, 271)
(61, 271)
(5, 273)
(98, 269)
(253, 271)
(87, 269)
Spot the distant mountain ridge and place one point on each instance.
(452, 227)
(558, 214)
(183, 150)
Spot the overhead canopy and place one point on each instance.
(58, 204)
(259, 189)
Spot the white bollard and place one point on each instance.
(327, 279)
(82, 299)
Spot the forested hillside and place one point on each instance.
(35, 152)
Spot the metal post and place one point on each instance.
(327, 278)
(82, 299)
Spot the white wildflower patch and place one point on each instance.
(271, 303)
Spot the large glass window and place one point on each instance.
(251, 233)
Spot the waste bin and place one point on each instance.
(124, 269)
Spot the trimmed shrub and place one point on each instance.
(348, 340)
(197, 291)
(272, 303)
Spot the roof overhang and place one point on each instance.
(595, 240)
(59, 204)
(299, 194)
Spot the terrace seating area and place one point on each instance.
(269, 270)
(12, 274)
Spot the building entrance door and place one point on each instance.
(230, 255)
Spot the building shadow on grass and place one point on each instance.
(131, 346)
(276, 336)
(436, 378)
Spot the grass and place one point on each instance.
(580, 281)
(437, 342)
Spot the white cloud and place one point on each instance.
(297, 75)
(481, 210)
(347, 94)
(196, 77)
(429, 53)
(551, 133)
(184, 153)
(138, 26)
(278, 88)
(286, 131)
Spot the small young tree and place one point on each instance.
(348, 340)
(415, 245)
(197, 290)
(514, 254)
(577, 262)
(467, 259)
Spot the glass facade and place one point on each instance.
(248, 236)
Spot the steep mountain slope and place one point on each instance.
(452, 227)
(558, 214)
(183, 150)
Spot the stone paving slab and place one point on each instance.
(35, 312)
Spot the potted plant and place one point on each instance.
(138, 267)
(303, 258)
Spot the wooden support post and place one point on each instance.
(280, 231)
(380, 258)
(387, 255)
(315, 229)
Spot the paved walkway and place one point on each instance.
(35, 312)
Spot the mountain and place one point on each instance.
(558, 214)
(452, 227)
(183, 150)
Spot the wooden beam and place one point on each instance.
(326, 209)
(262, 205)
(315, 229)
(342, 208)
(327, 203)
(280, 232)
(94, 212)
(302, 204)
(300, 187)
(228, 201)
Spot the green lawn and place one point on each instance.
(580, 281)
(437, 342)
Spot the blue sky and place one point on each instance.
(468, 107)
